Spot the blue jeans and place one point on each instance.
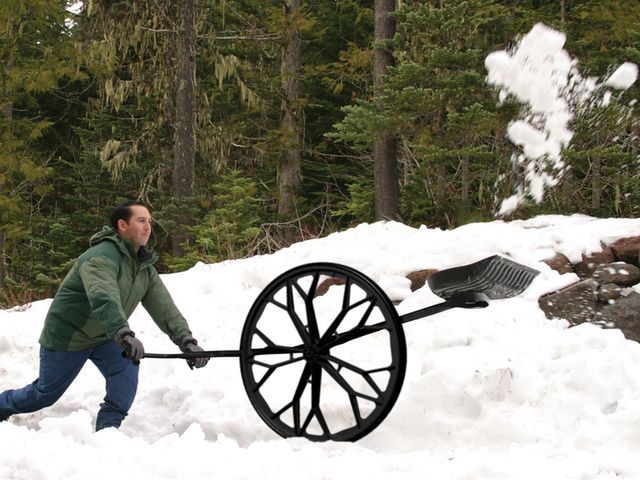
(59, 369)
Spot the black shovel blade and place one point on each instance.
(496, 277)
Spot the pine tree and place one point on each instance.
(437, 102)
(36, 54)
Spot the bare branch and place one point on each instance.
(160, 30)
(266, 37)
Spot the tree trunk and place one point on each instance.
(385, 172)
(185, 128)
(635, 138)
(289, 170)
(464, 194)
(7, 112)
(570, 189)
(596, 183)
(563, 12)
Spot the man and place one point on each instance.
(87, 320)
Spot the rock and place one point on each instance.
(576, 303)
(419, 278)
(627, 250)
(601, 297)
(609, 292)
(623, 314)
(326, 284)
(589, 263)
(620, 273)
(559, 263)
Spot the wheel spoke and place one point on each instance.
(271, 368)
(366, 374)
(314, 285)
(323, 424)
(316, 410)
(295, 401)
(347, 294)
(307, 421)
(315, 394)
(275, 350)
(277, 414)
(278, 304)
(296, 418)
(327, 336)
(302, 331)
(349, 335)
(264, 379)
(340, 380)
(316, 385)
(302, 293)
(302, 384)
(356, 410)
(366, 315)
(312, 321)
(264, 338)
(276, 365)
(351, 393)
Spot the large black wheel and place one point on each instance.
(323, 354)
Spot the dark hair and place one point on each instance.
(123, 212)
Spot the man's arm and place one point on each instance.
(164, 312)
(99, 277)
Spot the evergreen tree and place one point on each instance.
(439, 106)
(36, 55)
(604, 152)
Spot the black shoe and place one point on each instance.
(4, 416)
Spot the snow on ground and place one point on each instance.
(499, 392)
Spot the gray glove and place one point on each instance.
(188, 344)
(130, 344)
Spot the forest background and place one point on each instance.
(248, 125)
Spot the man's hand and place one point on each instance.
(130, 344)
(188, 344)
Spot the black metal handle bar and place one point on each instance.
(272, 350)
(472, 300)
(475, 300)
(461, 300)
(204, 354)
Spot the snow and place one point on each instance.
(500, 392)
(624, 76)
(538, 72)
(545, 79)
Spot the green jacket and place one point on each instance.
(102, 290)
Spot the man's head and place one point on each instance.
(132, 221)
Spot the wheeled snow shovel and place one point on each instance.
(323, 353)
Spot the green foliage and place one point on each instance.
(436, 102)
(86, 121)
(36, 56)
(455, 162)
(360, 205)
(229, 226)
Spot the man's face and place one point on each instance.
(138, 228)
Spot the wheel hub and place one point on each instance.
(314, 353)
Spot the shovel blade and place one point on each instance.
(496, 277)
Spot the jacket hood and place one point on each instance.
(109, 234)
(104, 234)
